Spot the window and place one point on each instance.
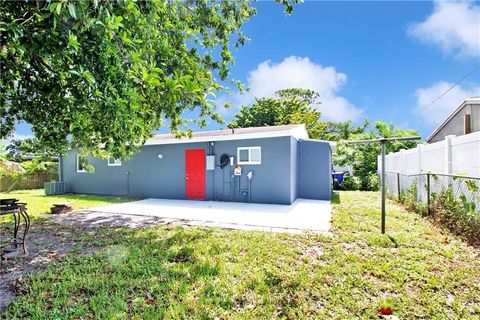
(249, 155)
(112, 162)
(82, 163)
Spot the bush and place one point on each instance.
(457, 214)
(370, 182)
(350, 183)
(10, 168)
(409, 200)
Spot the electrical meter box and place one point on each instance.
(210, 162)
(238, 171)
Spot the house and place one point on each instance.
(276, 164)
(463, 120)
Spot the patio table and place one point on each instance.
(19, 211)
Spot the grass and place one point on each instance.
(166, 272)
(39, 204)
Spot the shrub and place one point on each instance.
(372, 182)
(350, 183)
(409, 200)
(457, 214)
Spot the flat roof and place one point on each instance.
(297, 131)
(472, 100)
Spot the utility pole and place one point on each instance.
(382, 142)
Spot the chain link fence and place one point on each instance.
(425, 186)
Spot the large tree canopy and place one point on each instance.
(288, 106)
(102, 75)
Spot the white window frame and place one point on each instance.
(78, 165)
(116, 163)
(249, 149)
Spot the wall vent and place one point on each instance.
(467, 125)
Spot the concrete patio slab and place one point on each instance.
(301, 216)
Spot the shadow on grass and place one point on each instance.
(336, 197)
(92, 197)
(395, 243)
(140, 272)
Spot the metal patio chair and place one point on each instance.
(19, 211)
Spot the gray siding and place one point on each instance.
(315, 170)
(456, 125)
(106, 180)
(271, 179)
(294, 167)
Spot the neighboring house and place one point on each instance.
(282, 162)
(463, 120)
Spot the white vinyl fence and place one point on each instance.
(433, 168)
(455, 155)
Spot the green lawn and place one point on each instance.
(174, 272)
(39, 204)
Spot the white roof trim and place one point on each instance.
(475, 100)
(298, 132)
(332, 144)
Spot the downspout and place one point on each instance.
(127, 173)
(211, 148)
(249, 177)
(60, 168)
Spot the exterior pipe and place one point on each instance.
(249, 177)
(60, 168)
(127, 173)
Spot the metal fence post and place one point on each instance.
(428, 193)
(383, 185)
(398, 185)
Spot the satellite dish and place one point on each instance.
(224, 160)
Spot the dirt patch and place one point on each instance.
(51, 239)
(47, 242)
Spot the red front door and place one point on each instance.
(195, 174)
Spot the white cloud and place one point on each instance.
(438, 111)
(296, 72)
(454, 26)
(18, 136)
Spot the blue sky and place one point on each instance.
(380, 60)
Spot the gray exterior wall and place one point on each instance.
(294, 163)
(271, 179)
(315, 170)
(456, 125)
(275, 180)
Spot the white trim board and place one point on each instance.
(298, 132)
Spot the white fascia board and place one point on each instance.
(297, 133)
(331, 144)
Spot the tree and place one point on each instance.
(363, 157)
(100, 76)
(3, 150)
(288, 106)
(337, 131)
(22, 149)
